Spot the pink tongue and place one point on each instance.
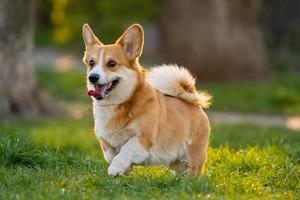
(94, 93)
(98, 93)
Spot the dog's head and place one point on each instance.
(113, 70)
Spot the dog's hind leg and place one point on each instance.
(197, 151)
(197, 155)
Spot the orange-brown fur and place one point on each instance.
(163, 121)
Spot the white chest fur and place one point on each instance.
(103, 115)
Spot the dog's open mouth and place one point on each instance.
(101, 91)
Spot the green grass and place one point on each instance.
(61, 159)
(69, 85)
(278, 96)
(281, 95)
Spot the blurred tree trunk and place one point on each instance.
(280, 22)
(216, 39)
(20, 96)
(283, 15)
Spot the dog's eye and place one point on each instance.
(111, 63)
(91, 62)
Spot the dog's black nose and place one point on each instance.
(94, 78)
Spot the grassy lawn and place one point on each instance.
(61, 158)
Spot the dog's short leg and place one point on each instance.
(197, 154)
(132, 152)
(108, 151)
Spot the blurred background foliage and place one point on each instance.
(59, 22)
(280, 25)
(246, 53)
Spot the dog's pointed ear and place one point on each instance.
(89, 37)
(132, 41)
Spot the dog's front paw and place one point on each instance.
(116, 169)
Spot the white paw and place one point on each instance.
(116, 169)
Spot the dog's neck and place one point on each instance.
(122, 114)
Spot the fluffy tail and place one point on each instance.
(178, 82)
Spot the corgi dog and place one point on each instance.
(144, 117)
